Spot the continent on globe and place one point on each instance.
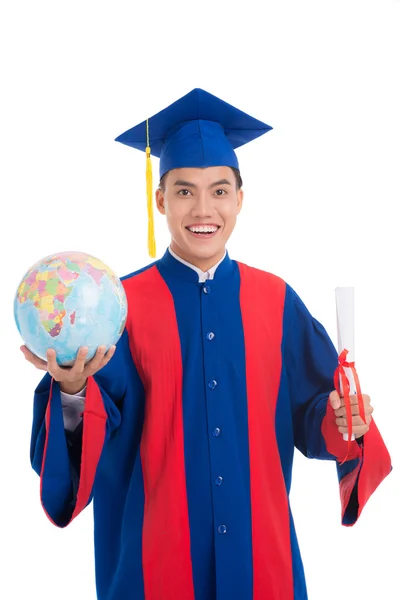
(69, 300)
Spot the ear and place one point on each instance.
(239, 200)
(160, 201)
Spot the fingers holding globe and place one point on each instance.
(74, 305)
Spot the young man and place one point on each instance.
(189, 426)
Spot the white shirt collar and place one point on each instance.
(203, 275)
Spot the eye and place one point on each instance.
(220, 192)
(183, 192)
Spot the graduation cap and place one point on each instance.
(198, 130)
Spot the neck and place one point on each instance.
(201, 263)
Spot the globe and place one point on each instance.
(69, 300)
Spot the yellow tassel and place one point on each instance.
(149, 189)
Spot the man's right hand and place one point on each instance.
(71, 379)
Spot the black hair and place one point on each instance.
(236, 172)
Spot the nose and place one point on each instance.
(204, 206)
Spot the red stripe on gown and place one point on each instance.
(375, 468)
(262, 303)
(93, 436)
(377, 465)
(155, 347)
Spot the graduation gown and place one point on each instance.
(188, 434)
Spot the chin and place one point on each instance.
(205, 252)
(202, 251)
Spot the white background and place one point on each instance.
(321, 193)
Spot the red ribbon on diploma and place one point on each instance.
(340, 376)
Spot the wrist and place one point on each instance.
(72, 387)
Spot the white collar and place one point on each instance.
(203, 275)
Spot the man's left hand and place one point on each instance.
(359, 427)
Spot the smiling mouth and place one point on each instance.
(203, 232)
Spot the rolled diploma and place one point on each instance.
(345, 332)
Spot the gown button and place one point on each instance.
(222, 529)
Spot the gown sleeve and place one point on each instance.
(310, 360)
(66, 461)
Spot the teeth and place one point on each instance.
(203, 229)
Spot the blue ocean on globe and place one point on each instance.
(69, 300)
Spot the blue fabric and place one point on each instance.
(310, 362)
(220, 362)
(57, 487)
(198, 130)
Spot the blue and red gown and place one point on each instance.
(188, 434)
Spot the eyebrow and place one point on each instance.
(182, 182)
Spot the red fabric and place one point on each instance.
(94, 428)
(166, 535)
(94, 432)
(272, 565)
(346, 487)
(376, 465)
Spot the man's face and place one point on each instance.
(200, 198)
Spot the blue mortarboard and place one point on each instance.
(198, 130)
